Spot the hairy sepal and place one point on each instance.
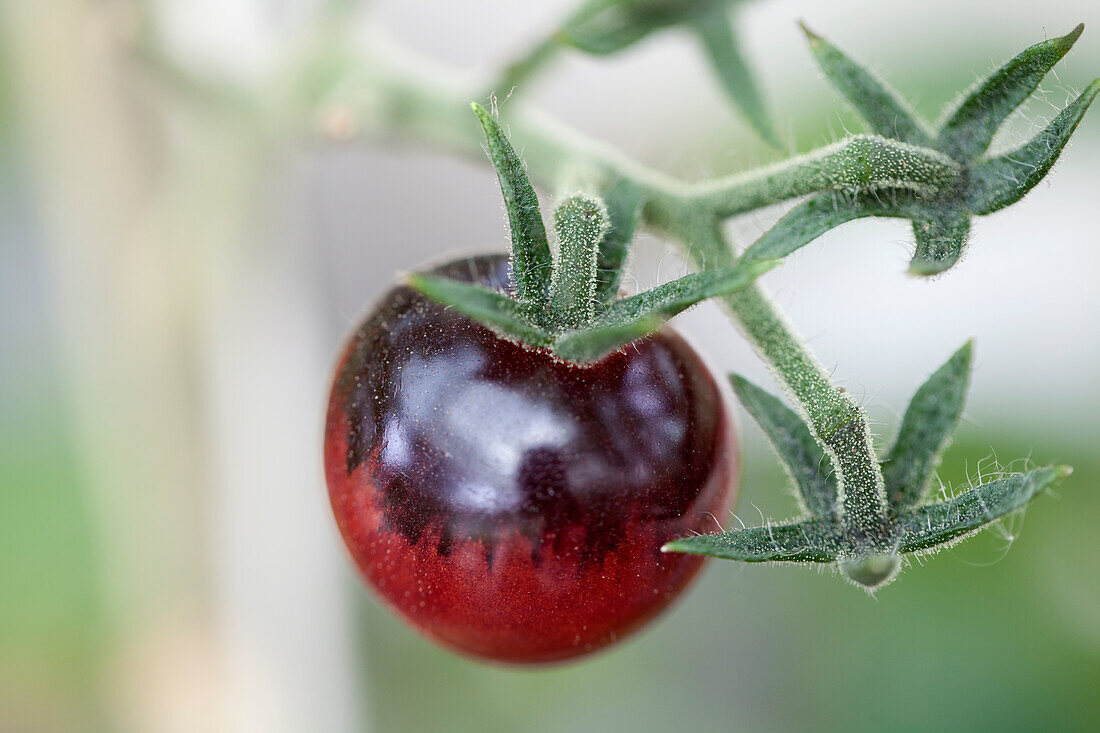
(1003, 180)
(638, 316)
(940, 236)
(935, 526)
(883, 109)
(813, 540)
(802, 456)
(531, 260)
(819, 214)
(921, 530)
(670, 298)
(489, 307)
(940, 211)
(623, 200)
(969, 127)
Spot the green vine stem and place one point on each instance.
(858, 163)
(834, 416)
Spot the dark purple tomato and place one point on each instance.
(507, 504)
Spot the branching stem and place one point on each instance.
(858, 163)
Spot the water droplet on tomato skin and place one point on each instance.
(531, 496)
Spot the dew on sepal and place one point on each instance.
(872, 571)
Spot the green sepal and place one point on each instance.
(716, 32)
(813, 540)
(632, 318)
(670, 298)
(623, 199)
(881, 107)
(969, 128)
(935, 526)
(1003, 180)
(802, 456)
(494, 309)
(580, 222)
(940, 236)
(918, 529)
(531, 260)
(591, 344)
(819, 214)
(926, 429)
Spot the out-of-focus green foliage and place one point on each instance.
(49, 615)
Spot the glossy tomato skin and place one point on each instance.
(507, 504)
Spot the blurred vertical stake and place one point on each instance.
(125, 285)
(141, 217)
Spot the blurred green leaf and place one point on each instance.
(716, 32)
(603, 27)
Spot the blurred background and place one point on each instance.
(179, 264)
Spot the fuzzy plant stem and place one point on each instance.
(833, 415)
(861, 162)
(580, 223)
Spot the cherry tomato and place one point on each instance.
(507, 504)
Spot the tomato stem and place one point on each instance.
(580, 223)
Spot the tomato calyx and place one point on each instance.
(917, 521)
(941, 219)
(565, 301)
